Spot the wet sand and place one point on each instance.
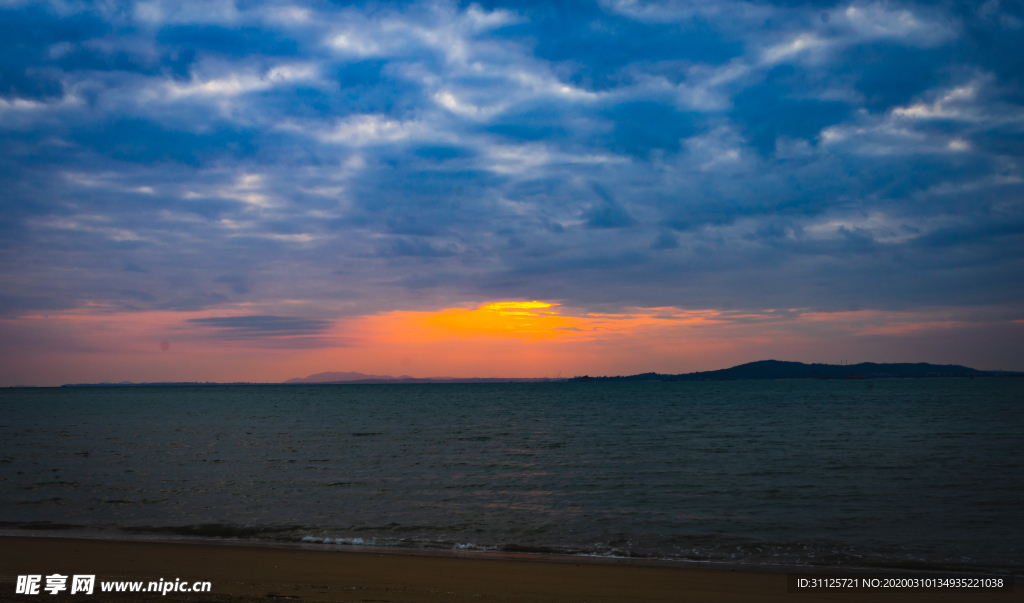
(247, 573)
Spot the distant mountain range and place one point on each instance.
(352, 377)
(344, 378)
(777, 369)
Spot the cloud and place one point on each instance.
(257, 325)
(234, 84)
(607, 213)
(665, 240)
(337, 161)
(360, 130)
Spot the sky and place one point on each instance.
(254, 191)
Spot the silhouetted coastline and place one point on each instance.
(778, 369)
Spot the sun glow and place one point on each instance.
(528, 319)
(494, 339)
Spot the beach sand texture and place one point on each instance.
(242, 573)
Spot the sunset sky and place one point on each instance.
(254, 191)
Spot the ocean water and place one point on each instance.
(911, 474)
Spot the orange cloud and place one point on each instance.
(532, 320)
(523, 320)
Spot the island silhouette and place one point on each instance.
(779, 369)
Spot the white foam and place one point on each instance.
(325, 540)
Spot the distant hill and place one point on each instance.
(357, 378)
(777, 369)
(336, 377)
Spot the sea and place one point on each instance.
(884, 474)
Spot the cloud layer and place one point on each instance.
(301, 162)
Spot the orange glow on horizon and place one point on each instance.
(528, 321)
(495, 339)
(532, 320)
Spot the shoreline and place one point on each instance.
(249, 571)
(501, 555)
(497, 554)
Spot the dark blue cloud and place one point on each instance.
(644, 126)
(443, 153)
(594, 49)
(607, 213)
(358, 158)
(666, 240)
(415, 247)
(888, 75)
(261, 325)
(26, 58)
(188, 40)
(145, 141)
(777, 106)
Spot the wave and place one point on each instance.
(708, 549)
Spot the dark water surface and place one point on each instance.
(924, 474)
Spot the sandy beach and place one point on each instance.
(242, 573)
